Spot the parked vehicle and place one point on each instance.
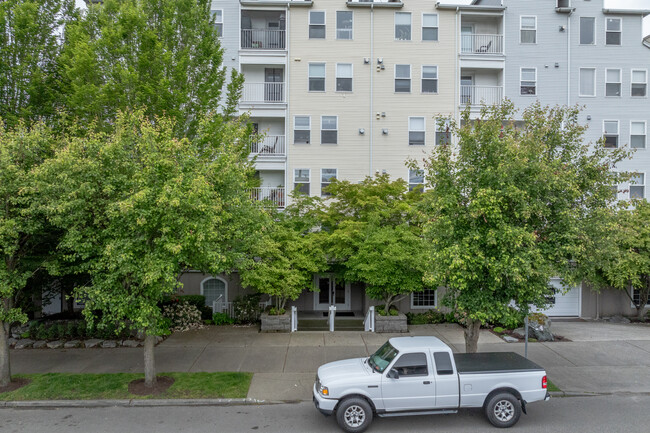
(421, 376)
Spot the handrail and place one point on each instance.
(331, 316)
(294, 318)
(475, 95)
(481, 44)
(269, 145)
(369, 321)
(263, 39)
(270, 93)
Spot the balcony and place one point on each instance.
(269, 93)
(269, 146)
(262, 39)
(477, 95)
(481, 44)
(273, 196)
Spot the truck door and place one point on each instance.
(446, 377)
(414, 389)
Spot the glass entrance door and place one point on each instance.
(331, 292)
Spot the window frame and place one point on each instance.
(645, 83)
(336, 176)
(423, 130)
(413, 185)
(580, 82)
(403, 357)
(642, 185)
(351, 78)
(410, 78)
(634, 295)
(308, 183)
(437, 27)
(521, 81)
(425, 307)
(337, 130)
(620, 82)
(410, 15)
(435, 80)
(351, 28)
(442, 121)
(217, 23)
(620, 31)
(324, 25)
(645, 133)
(522, 29)
(301, 129)
(309, 77)
(618, 134)
(212, 277)
(593, 33)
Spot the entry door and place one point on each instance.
(467, 39)
(273, 78)
(331, 292)
(466, 89)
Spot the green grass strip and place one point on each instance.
(63, 386)
(551, 386)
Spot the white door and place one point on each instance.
(563, 304)
(331, 292)
(415, 389)
(467, 39)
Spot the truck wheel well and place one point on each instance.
(342, 399)
(500, 390)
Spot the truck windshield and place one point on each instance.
(382, 357)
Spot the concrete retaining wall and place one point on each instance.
(391, 324)
(276, 323)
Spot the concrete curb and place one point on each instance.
(135, 403)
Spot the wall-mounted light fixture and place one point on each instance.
(362, 131)
(380, 60)
(562, 28)
(384, 131)
(588, 116)
(366, 60)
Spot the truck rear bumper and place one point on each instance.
(548, 396)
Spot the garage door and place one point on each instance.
(563, 304)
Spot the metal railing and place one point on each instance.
(481, 44)
(275, 195)
(330, 317)
(294, 318)
(369, 321)
(263, 39)
(268, 145)
(220, 306)
(263, 92)
(476, 95)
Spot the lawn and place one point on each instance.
(62, 386)
(550, 386)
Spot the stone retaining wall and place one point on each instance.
(391, 324)
(276, 323)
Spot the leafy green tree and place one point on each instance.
(138, 206)
(30, 45)
(373, 235)
(162, 56)
(23, 229)
(505, 207)
(287, 255)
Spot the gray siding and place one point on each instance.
(231, 26)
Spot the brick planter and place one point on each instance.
(391, 324)
(276, 323)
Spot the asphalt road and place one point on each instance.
(609, 414)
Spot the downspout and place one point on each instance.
(458, 73)
(568, 59)
(372, 57)
(287, 184)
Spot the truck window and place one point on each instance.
(382, 357)
(443, 363)
(412, 364)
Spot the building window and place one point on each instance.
(610, 133)
(403, 26)
(612, 82)
(317, 77)
(639, 82)
(416, 179)
(301, 129)
(344, 77)
(426, 298)
(528, 30)
(218, 21)
(402, 78)
(636, 297)
(326, 177)
(343, 24)
(416, 131)
(443, 132)
(587, 31)
(214, 289)
(528, 81)
(429, 27)
(316, 24)
(301, 180)
(329, 129)
(637, 185)
(429, 79)
(613, 31)
(637, 134)
(587, 82)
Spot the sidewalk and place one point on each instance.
(601, 358)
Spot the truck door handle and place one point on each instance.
(427, 382)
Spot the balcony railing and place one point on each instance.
(481, 44)
(263, 92)
(476, 95)
(269, 145)
(263, 39)
(274, 195)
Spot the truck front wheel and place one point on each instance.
(503, 410)
(354, 415)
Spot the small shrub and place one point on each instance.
(498, 329)
(222, 319)
(379, 309)
(246, 308)
(197, 300)
(425, 318)
(25, 334)
(273, 311)
(183, 317)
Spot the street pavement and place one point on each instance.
(600, 358)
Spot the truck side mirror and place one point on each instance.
(393, 374)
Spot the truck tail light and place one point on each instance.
(544, 382)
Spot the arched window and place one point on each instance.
(213, 288)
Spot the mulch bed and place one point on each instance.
(14, 385)
(136, 387)
(521, 340)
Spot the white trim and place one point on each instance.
(424, 129)
(293, 139)
(324, 77)
(437, 79)
(216, 278)
(308, 178)
(321, 129)
(422, 27)
(322, 307)
(580, 82)
(619, 82)
(408, 178)
(595, 33)
(320, 183)
(425, 307)
(521, 80)
(395, 26)
(644, 184)
(618, 131)
(645, 133)
(632, 296)
(309, 23)
(410, 77)
(521, 29)
(620, 20)
(336, 24)
(218, 22)
(645, 71)
(336, 84)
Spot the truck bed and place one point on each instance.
(493, 362)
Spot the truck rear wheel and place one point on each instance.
(354, 415)
(503, 410)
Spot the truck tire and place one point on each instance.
(354, 415)
(503, 410)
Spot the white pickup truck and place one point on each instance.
(421, 376)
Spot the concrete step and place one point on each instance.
(347, 324)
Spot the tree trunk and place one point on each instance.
(643, 301)
(149, 362)
(5, 366)
(472, 329)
